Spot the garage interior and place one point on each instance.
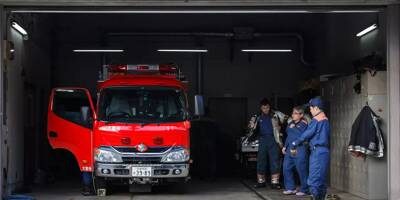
(323, 47)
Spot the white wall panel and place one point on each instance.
(366, 178)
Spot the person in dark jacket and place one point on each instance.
(317, 133)
(268, 146)
(298, 159)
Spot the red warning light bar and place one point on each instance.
(161, 69)
(126, 69)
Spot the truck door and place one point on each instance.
(70, 123)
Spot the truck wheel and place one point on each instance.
(100, 186)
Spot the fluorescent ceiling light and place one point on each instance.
(19, 28)
(354, 11)
(367, 30)
(160, 11)
(98, 50)
(267, 50)
(183, 50)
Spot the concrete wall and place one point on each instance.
(393, 58)
(29, 69)
(14, 136)
(347, 172)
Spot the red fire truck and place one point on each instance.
(137, 132)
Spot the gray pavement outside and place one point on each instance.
(221, 189)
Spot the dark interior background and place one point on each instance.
(234, 81)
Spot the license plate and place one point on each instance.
(141, 171)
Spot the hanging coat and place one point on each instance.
(366, 136)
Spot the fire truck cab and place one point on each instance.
(136, 133)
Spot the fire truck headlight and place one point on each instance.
(179, 155)
(107, 155)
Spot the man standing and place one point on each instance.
(266, 125)
(295, 159)
(317, 133)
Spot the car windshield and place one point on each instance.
(142, 105)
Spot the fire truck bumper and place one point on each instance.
(142, 170)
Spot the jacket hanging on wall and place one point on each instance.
(366, 136)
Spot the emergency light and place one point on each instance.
(160, 69)
(128, 69)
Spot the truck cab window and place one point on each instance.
(70, 104)
(141, 104)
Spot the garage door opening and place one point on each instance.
(237, 59)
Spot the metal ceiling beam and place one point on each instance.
(193, 10)
(196, 2)
(229, 35)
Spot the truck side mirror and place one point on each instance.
(87, 119)
(198, 105)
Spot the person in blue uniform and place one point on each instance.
(317, 133)
(296, 159)
(268, 149)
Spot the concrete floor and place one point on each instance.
(232, 189)
(269, 194)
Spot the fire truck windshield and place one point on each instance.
(142, 105)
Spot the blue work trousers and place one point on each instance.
(298, 162)
(319, 163)
(268, 152)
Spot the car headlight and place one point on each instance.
(180, 155)
(107, 155)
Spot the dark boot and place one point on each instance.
(260, 185)
(275, 182)
(276, 186)
(87, 191)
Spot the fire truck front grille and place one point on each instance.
(141, 160)
(149, 150)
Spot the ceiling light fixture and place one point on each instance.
(98, 50)
(267, 50)
(367, 30)
(354, 11)
(159, 11)
(184, 50)
(19, 28)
